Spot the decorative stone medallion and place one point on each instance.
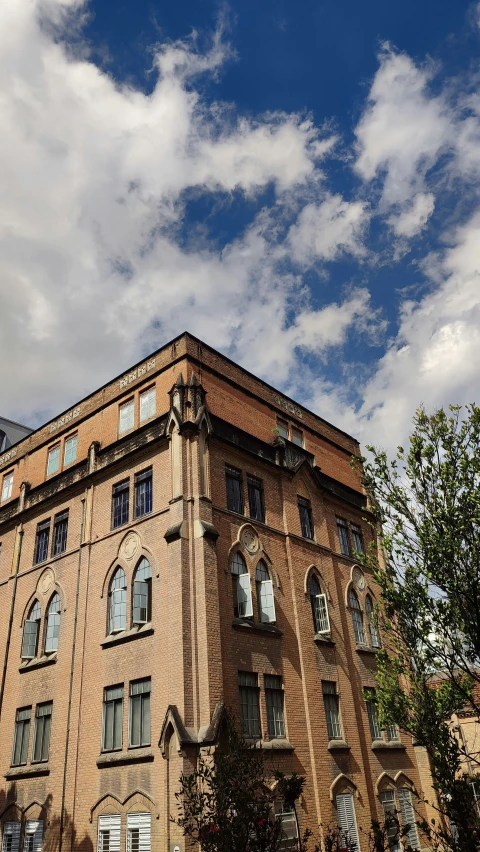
(249, 539)
(358, 579)
(46, 581)
(130, 545)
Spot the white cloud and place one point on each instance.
(324, 231)
(403, 129)
(413, 217)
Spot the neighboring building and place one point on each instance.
(181, 541)
(11, 433)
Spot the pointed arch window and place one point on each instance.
(372, 627)
(266, 601)
(318, 600)
(117, 602)
(242, 590)
(142, 593)
(53, 624)
(31, 631)
(357, 618)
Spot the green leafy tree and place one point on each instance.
(426, 509)
(227, 803)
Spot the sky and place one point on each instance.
(295, 182)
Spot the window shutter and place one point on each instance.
(244, 594)
(346, 818)
(35, 827)
(11, 830)
(140, 602)
(267, 601)
(323, 620)
(29, 644)
(110, 823)
(141, 822)
(408, 816)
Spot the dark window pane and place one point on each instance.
(43, 719)
(21, 736)
(306, 520)
(41, 543)
(343, 537)
(30, 632)
(332, 710)
(357, 538)
(233, 479)
(60, 529)
(140, 713)
(255, 499)
(274, 702)
(143, 493)
(112, 718)
(249, 704)
(120, 504)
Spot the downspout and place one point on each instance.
(70, 688)
(10, 620)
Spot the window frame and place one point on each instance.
(42, 527)
(373, 632)
(296, 431)
(237, 561)
(21, 725)
(68, 440)
(114, 702)
(58, 519)
(358, 622)
(316, 598)
(144, 701)
(356, 534)
(151, 391)
(123, 405)
(51, 450)
(148, 583)
(265, 595)
(254, 482)
(332, 710)
(37, 622)
(305, 504)
(235, 475)
(42, 730)
(139, 479)
(117, 489)
(55, 625)
(249, 698)
(345, 547)
(275, 706)
(111, 616)
(7, 478)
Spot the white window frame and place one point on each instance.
(11, 829)
(143, 823)
(111, 824)
(322, 617)
(148, 401)
(72, 439)
(33, 827)
(7, 486)
(53, 450)
(126, 416)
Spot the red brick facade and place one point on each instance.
(208, 413)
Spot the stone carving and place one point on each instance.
(250, 540)
(46, 581)
(358, 579)
(130, 545)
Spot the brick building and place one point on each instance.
(180, 541)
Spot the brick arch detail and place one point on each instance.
(110, 801)
(384, 782)
(341, 782)
(15, 808)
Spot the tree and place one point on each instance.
(227, 803)
(426, 512)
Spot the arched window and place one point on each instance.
(318, 600)
(30, 632)
(53, 624)
(357, 618)
(242, 591)
(142, 593)
(372, 628)
(117, 603)
(266, 602)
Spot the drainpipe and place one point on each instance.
(70, 689)
(10, 620)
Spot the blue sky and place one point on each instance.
(295, 183)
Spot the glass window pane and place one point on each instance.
(146, 719)
(233, 479)
(53, 460)
(343, 536)
(135, 718)
(7, 487)
(126, 417)
(255, 499)
(70, 452)
(147, 404)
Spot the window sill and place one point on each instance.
(38, 662)
(256, 627)
(28, 771)
(277, 744)
(323, 639)
(338, 745)
(127, 635)
(365, 649)
(116, 758)
(379, 745)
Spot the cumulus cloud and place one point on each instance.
(101, 261)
